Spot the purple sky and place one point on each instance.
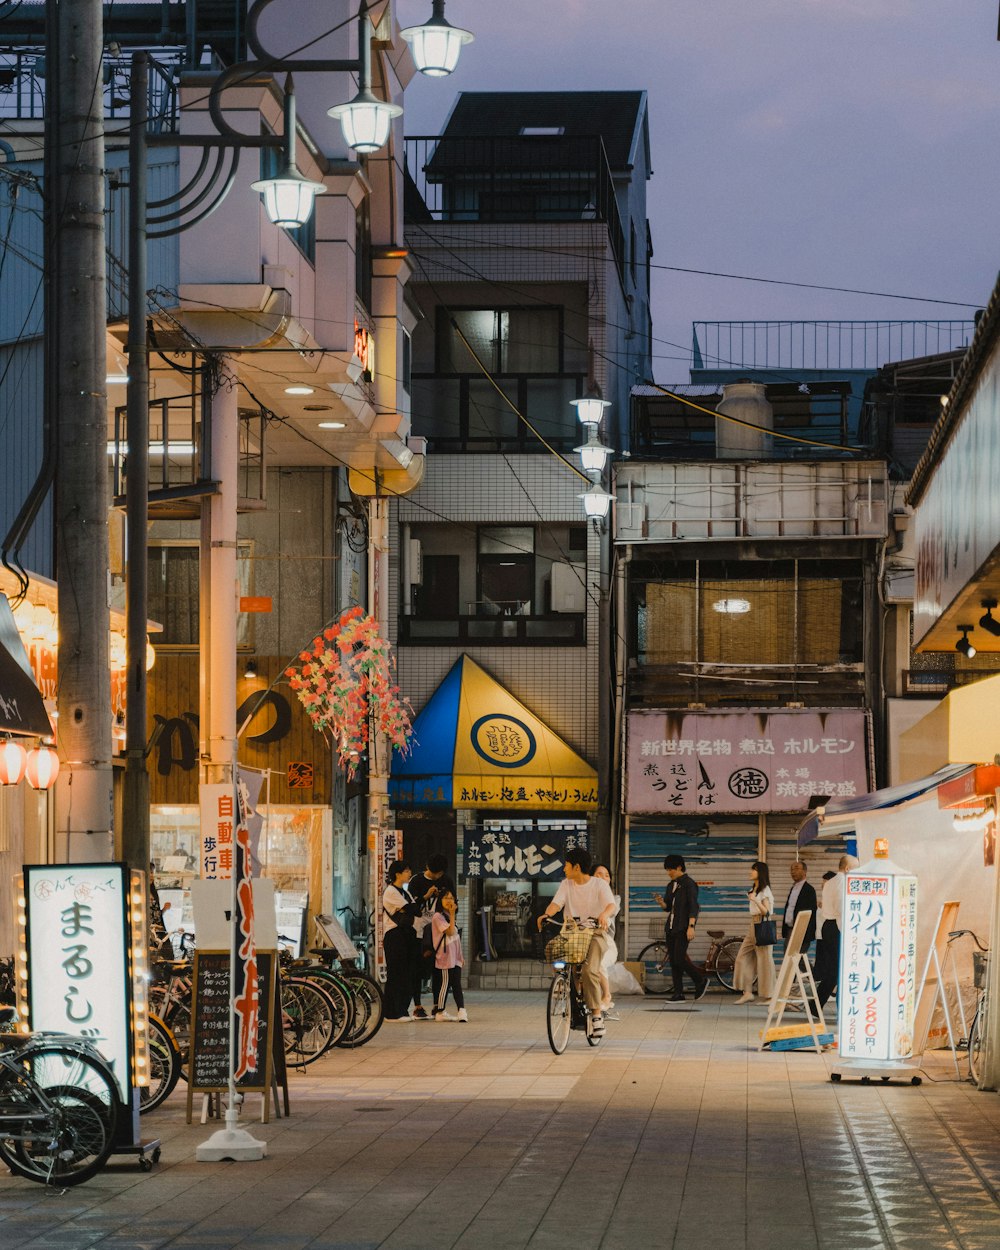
(848, 142)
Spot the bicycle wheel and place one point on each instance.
(558, 1017)
(308, 1018)
(656, 958)
(178, 1020)
(976, 1034)
(725, 963)
(164, 1066)
(369, 1008)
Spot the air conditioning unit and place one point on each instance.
(416, 563)
(568, 588)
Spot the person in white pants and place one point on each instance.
(753, 960)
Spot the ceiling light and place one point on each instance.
(987, 621)
(116, 379)
(331, 425)
(964, 645)
(317, 407)
(250, 671)
(732, 607)
(299, 390)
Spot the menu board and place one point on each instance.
(209, 1058)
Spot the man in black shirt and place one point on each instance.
(681, 906)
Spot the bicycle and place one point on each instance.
(977, 1030)
(362, 933)
(565, 1006)
(166, 1066)
(58, 1108)
(720, 962)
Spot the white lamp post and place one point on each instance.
(436, 44)
(289, 195)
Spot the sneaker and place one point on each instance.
(463, 1015)
(418, 1013)
(443, 1015)
(701, 989)
(395, 1019)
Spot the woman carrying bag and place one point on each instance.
(402, 950)
(756, 955)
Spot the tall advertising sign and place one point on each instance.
(387, 845)
(876, 998)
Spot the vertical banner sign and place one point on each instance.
(246, 985)
(388, 847)
(876, 999)
(217, 820)
(79, 976)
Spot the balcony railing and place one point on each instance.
(553, 630)
(466, 413)
(513, 178)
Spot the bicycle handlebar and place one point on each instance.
(957, 933)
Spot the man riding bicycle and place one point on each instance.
(590, 902)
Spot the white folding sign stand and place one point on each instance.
(795, 987)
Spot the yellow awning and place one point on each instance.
(964, 728)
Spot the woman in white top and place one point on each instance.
(755, 961)
(399, 941)
(611, 954)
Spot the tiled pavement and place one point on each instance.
(675, 1133)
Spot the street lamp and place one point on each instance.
(289, 194)
(593, 455)
(436, 45)
(596, 502)
(590, 409)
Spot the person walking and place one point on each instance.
(448, 958)
(753, 960)
(399, 942)
(682, 907)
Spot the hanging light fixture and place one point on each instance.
(365, 120)
(964, 645)
(289, 195)
(13, 759)
(42, 767)
(436, 44)
(987, 621)
(590, 409)
(150, 654)
(596, 502)
(593, 454)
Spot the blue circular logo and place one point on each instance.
(503, 741)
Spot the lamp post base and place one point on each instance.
(231, 1142)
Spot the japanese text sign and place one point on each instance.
(388, 848)
(876, 996)
(743, 761)
(78, 957)
(520, 854)
(218, 829)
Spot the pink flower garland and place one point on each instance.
(345, 683)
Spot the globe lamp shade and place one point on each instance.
(596, 502)
(593, 456)
(288, 197)
(42, 768)
(365, 121)
(435, 46)
(590, 410)
(13, 759)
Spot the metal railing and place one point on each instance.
(839, 345)
(515, 178)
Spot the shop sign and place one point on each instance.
(520, 854)
(77, 929)
(218, 823)
(732, 762)
(876, 999)
(388, 847)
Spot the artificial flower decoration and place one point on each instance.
(345, 683)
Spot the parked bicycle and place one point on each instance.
(166, 1065)
(58, 1107)
(977, 1029)
(361, 931)
(565, 1007)
(720, 962)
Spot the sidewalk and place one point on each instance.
(674, 1133)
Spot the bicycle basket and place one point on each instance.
(571, 945)
(979, 963)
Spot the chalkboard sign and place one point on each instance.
(208, 1062)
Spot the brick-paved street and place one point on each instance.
(674, 1133)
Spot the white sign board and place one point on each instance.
(78, 967)
(876, 994)
(212, 903)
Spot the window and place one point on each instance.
(505, 340)
(173, 592)
(406, 360)
(363, 254)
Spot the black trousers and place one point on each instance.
(827, 966)
(401, 953)
(677, 945)
(441, 987)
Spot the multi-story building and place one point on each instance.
(527, 235)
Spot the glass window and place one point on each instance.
(505, 340)
(173, 593)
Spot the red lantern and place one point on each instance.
(42, 768)
(13, 758)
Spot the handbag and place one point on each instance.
(571, 944)
(765, 932)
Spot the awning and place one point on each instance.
(476, 745)
(839, 815)
(964, 728)
(22, 710)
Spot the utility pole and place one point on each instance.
(135, 799)
(84, 807)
